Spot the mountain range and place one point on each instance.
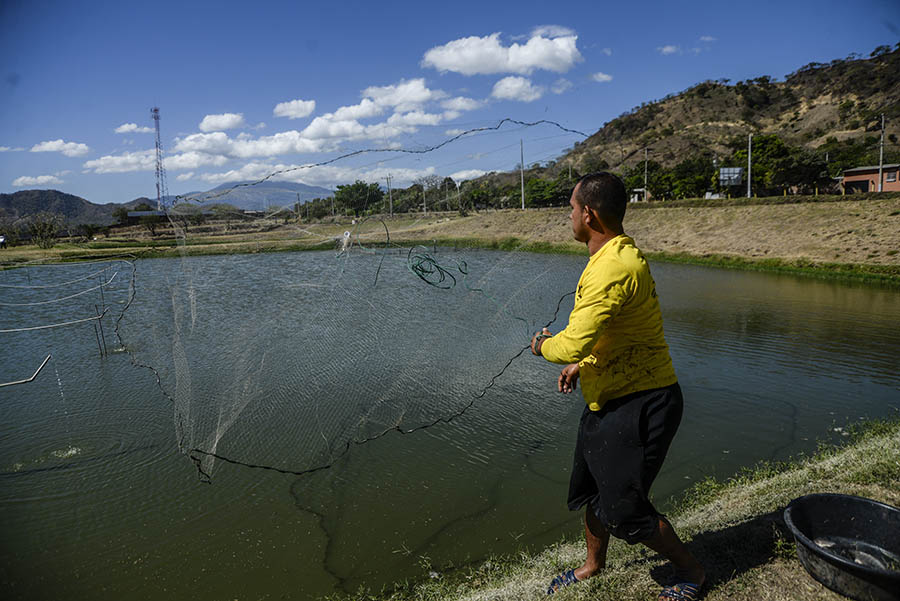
(76, 210)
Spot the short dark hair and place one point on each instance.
(605, 193)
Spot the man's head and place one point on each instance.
(598, 203)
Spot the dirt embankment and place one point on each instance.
(860, 232)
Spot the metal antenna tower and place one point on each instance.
(162, 189)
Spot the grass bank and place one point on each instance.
(734, 527)
(822, 236)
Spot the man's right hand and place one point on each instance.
(568, 378)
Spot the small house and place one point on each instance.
(865, 179)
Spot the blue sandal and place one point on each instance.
(562, 581)
(684, 591)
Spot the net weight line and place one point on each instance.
(196, 455)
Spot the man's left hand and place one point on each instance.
(538, 339)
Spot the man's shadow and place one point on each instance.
(734, 550)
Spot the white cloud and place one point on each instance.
(461, 103)
(455, 132)
(486, 55)
(193, 160)
(552, 31)
(668, 49)
(327, 176)
(185, 176)
(145, 160)
(133, 128)
(561, 85)
(707, 38)
(607, 51)
(70, 149)
(139, 160)
(222, 122)
(8, 149)
(516, 88)
(218, 143)
(414, 118)
(294, 109)
(365, 109)
(40, 180)
(405, 96)
(601, 77)
(461, 176)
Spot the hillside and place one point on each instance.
(843, 99)
(821, 119)
(74, 209)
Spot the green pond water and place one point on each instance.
(292, 360)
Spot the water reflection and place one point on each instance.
(768, 365)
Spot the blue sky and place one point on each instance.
(245, 88)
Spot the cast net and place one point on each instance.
(288, 361)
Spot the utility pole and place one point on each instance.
(390, 196)
(332, 205)
(645, 174)
(458, 202)
(881, 156)
(424, 206)
(749, 154)
(522, 169)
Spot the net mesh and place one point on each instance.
(288, 361)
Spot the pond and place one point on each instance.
(394, 385)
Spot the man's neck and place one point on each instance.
(599, 240)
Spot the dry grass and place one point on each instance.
(843, 232)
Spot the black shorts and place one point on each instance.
(619, 452)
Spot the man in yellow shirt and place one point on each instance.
(614, 342)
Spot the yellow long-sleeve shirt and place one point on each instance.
(615, 330)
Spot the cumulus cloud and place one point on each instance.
(561, 86)
(607, 51)
(455, 132)
(707, 38)
(40, 180)
(222, 122)
(133, 128)
(185, 176)
(601, 77)
(668, 49)
(461, 103)
(70, 149)
(365, 109)
(487, 55)
(294, 109)
(516, 88)
(145, 160)
(193, 160)
(8, 149)
(139, 160)
(461, 176)
(327, 176)
(405, 96)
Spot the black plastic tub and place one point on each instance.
(849, 544)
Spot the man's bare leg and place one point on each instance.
(597, 538)
(666, 543)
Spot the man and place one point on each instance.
(614, 341)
